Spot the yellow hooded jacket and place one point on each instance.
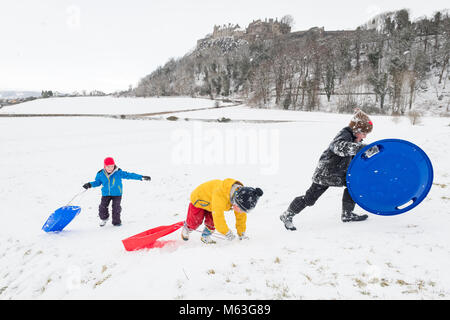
(214, 196)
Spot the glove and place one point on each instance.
(146, 178)
(243, 236)
(372, 151)
(87, 185)
(230, 236)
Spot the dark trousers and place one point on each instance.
(313, 193)
(116, 208)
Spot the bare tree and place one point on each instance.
(414, 117)
(288, 20)
(262, 80)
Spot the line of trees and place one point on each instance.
(379, 67)
(46, 93)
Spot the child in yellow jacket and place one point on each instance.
(210, 200)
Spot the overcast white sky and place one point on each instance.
(110, 44)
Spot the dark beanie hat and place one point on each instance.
(246, 197)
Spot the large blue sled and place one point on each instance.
(391, 181)
(61, 218)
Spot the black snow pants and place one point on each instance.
(313, 193)
(116, 208)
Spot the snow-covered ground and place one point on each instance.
(106, 105)
(45, 161)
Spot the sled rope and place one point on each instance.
(78, 194)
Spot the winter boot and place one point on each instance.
(286, 217)
(206, 236)
(348, 205)
(103, 222)
(185, 232)
(348, 216)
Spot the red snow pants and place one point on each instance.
(196, 216)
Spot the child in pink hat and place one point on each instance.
(110, 178)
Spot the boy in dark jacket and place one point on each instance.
(110, 177)
(331, 170)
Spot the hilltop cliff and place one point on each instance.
(381, 65)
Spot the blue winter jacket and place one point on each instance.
(112, 183)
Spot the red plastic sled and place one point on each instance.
(148, 239)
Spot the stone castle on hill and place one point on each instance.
(258, 29)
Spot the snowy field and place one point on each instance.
(46, 160)
(106, 105)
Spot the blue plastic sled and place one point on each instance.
(392, 181)
(61, 218)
